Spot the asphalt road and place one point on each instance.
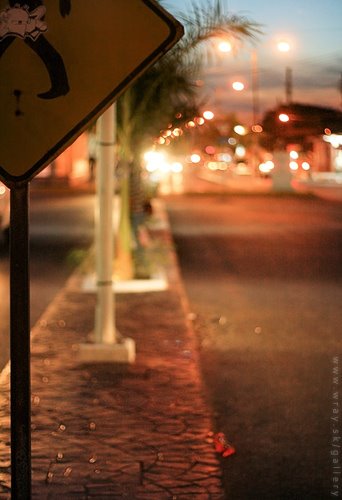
(61, 229)
(263, 276)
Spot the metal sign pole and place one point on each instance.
(20, 343)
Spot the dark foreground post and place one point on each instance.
(20, 343)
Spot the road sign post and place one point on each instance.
(62, 64)
(20, 344)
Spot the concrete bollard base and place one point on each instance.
(123, 352)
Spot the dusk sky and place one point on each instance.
(314, 32)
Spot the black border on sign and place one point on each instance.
(176, 32)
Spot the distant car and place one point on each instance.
(4, 211)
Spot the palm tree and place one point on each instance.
(170, 85)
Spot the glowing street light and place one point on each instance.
(195, 158)
(240, 130)
(240, 151)
(208, 115)
(153, 160)
(257, 128)
(199, 120)
(177, 132)
(283, 46)
(238, 86)
(283, 117)
(225, 46)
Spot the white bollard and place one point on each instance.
(281, 175)
(108, 345)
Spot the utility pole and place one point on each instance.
(255, 108)
(288, 85)
(255, 87)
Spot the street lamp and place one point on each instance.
(225, 46)
(240, 130)
(239, 86)
(284, 47)
(255, 86)
(283, 117)
(208, 115)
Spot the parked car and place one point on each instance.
(4, 211)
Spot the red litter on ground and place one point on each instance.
(222, 445)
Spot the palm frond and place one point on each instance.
(209, 20)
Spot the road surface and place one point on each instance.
(263, 276)
(61, 228)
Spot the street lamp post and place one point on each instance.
(225, 47)
(288, 85)
(255, 86)
(255, 108)
(238, 86)
(284, 47)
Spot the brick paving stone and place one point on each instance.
(104, 431)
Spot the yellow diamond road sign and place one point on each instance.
(62, 62)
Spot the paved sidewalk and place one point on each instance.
(103, 431)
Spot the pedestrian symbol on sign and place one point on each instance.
(49, 52)
(25, 19)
